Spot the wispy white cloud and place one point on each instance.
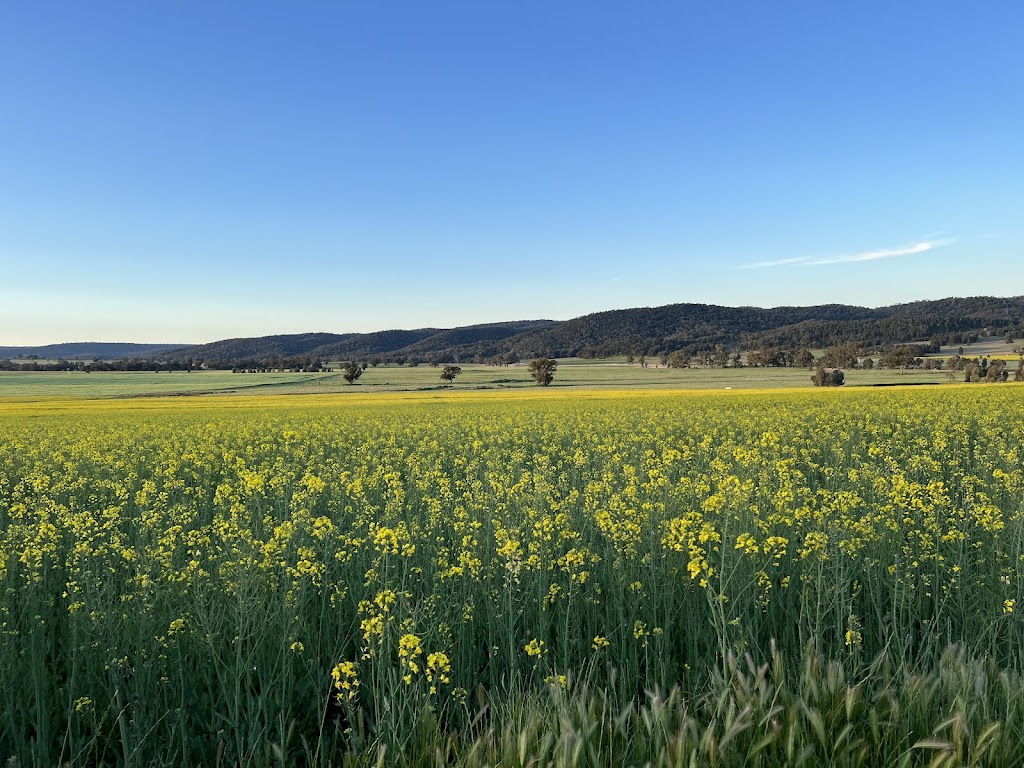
(779, 263)
(850, 258)
(885, 253)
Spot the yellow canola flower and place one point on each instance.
(613, 511)
(438, 670)
(346, 680)
(410, 648)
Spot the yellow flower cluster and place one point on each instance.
(409, 650)
(346, 680)
(439, 669)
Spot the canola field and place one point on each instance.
(531, 578)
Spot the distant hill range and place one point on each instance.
(89, 350)
(648, 330)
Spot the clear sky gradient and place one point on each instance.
(184, 171)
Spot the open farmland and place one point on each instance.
(567, 577)
(573, 372)
(36, 385)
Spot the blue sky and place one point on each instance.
(187, 171)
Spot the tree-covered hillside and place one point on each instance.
(88, 350)
(257, 347)
(688, 328)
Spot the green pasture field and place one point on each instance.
(56, 384)
(986, 346)
(571, 373)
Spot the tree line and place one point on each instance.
(89, 366)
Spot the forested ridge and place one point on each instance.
(689, 328)
(88, 350)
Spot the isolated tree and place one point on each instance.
(629, 359)
(450, 372)
(543, 370)
(825, 378)
(1019, 375)
(351, 372)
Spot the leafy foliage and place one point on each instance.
(543, 370)
(828, 378)
(351, 372)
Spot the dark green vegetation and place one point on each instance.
(688, 327)
(826, 378)
(422, 344)
(702, 333)
(89, 350)
(543, 370)
(967, 713)
(649, 331)
(351, 372)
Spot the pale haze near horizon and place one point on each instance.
(188, 172)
